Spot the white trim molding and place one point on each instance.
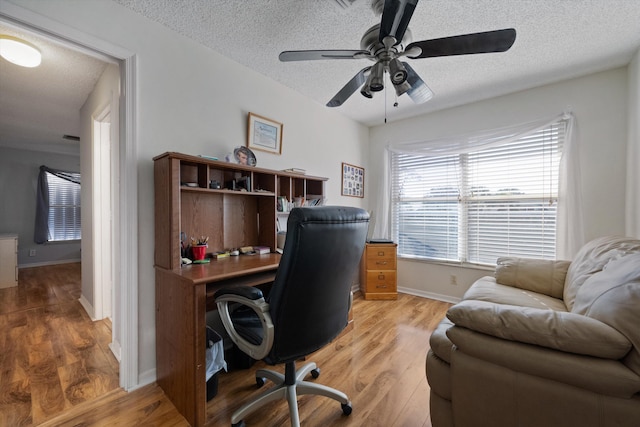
(430, 295)
(87, 307)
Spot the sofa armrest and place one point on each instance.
(563, 331)
(543, 276)
(438, 341)
(603, 376)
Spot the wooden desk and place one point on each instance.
(183, 297)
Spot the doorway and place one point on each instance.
(124, 227)
(102, 215)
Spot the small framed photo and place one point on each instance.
(264, 134)
(352, 180)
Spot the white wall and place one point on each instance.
(19, 171)
(633, 156)
(192, 100)
(599, 102)
(105, 93)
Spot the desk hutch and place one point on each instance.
(184, 202)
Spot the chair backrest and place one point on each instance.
(309, 299)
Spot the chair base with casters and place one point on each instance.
(289, 386)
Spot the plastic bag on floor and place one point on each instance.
(215, 354)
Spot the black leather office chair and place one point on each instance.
(307, 306)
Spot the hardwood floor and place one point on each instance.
(56, 368)
(52, 356)
(380, 365)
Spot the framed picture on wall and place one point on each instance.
(264, 134)
(352, 180)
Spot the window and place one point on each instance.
(64, 207)
(476, 206)
(57, 206)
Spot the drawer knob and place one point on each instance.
(381, 262)
(381, 286)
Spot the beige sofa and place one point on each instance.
(543, 343)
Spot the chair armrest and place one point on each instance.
(246, 296)
(603, 376)
(543, 276)
(564, 331)
(248, 292)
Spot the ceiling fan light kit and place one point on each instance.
(376, 78)
(397, 72)
(391, 39)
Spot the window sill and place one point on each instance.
(62, 242)
(448, 263)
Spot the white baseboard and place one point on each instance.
(145, 378)
(114, 346)
(430, 295)
(42, 264)
(87, 307)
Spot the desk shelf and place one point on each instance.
(231, 218)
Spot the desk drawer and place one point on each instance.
(381, 257)
(381, 281)
(379, 263)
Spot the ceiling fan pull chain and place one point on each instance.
(385, 104)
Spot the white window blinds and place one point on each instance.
(64, 208)
(478, 205)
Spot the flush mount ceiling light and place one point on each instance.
(19, 52)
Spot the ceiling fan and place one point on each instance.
(386, 42)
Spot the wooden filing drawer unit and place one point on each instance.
(378, 271)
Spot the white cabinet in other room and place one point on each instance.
(8, 260)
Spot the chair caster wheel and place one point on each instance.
(240, 424)
(315, 373)
(260, 381)
(346, 408)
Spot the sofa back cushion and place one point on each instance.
(591, 259)
(541, 276)
(612, 296)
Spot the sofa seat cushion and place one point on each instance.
(486, 289)
(541, 276)
(604, 376)
(613, 297)
(558, 330)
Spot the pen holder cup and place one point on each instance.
(198, 252)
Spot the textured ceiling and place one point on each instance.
(40, 105)
(556, 40)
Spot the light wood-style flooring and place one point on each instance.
(52, 356)
(380, 364)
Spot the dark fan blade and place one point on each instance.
(419, 91)
(395, 18)
(311, 55)
(348, 89)
(490, 41)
